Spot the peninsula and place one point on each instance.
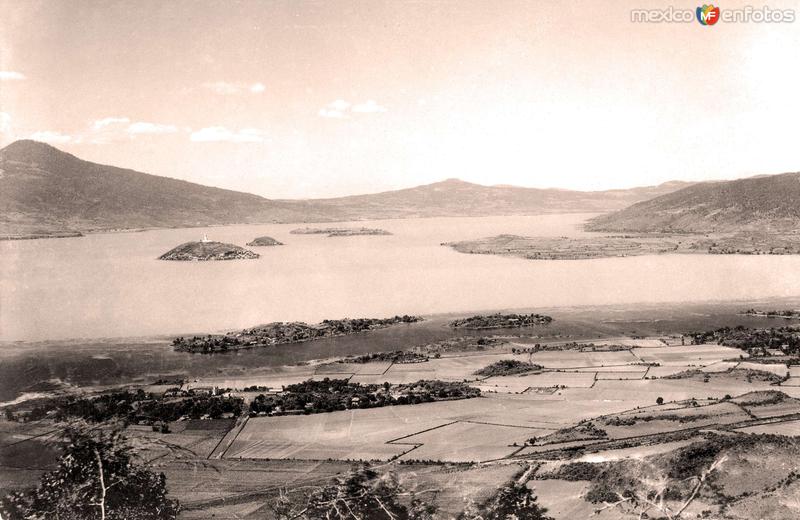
(608, 246)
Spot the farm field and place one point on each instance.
(460, 450)
(467, 441)
(777, 428)
(516, 384)
(687, 355)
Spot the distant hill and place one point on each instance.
(764, 203)
(454, 197)
(44, 191)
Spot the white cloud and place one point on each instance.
(50, 137)
(5, 123)
(370, 107)
(226, 88)
(109, 121)
(142, 127)
(222, 134)
(10, 75)
(341, 109)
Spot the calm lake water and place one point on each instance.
(111, 285)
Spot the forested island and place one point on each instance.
(330, 395)
(501, 321)
(340, 232)
(263, 242)
(281, 333)
(206, 251)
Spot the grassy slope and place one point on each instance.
(767, 203)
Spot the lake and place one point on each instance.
(111, 285)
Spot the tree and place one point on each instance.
(96, 479)
(654, 487)
(660, 401)
(361, 494)
(514, 501)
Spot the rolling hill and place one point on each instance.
(763, 204)
(454, 197)
(45, 191)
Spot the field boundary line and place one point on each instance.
(393, 441)
(506, 425)
(238, 429)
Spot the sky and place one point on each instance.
(306, 99)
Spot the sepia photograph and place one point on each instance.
(399, 260)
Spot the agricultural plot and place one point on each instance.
(659, 372)
(396, 378)
(374, 368)
(720, 366)
(791, 406)
(611, 369)
(629, 342)
(648, 390)
(620, 375)
(364, 434)
(192, 444)
(776, 428)
(522, 383)
(688, 355)
(449, 368)
(577, 359)
(467, 442)
(227, 488)
(635, 452)
(654, 421)
(777, 369)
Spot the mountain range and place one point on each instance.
(768, 203)
(45, 191)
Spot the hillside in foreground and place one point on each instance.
(763, 204)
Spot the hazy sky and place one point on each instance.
(303, 98)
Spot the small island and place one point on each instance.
(501, 321)
(280, 333)
(264, 241)
(206, 250)
(340, 232)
